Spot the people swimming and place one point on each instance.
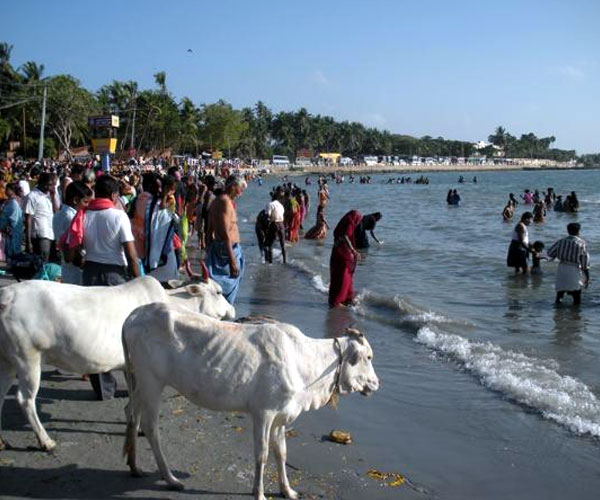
(508, 212)
(453, 198)
(527, 197)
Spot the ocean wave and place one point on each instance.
(316, 280)
(529, 381)
(394, 310)
(398, 310)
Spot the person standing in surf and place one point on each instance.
(573, 270)
(519, 245)
(224, 257)
(344, 257)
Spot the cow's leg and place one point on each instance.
(129, 449)
(149, 401)
(280, 450)
(29, 375)
(262, 430)
(7, 375)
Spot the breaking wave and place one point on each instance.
(532, 382)
(397, 310)
(316, 280)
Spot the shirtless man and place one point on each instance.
(224, 257)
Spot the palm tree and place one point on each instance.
(190, 118)
(32, 72)
(5, 53)
(130, 92)
(499, 138)
(161, 80)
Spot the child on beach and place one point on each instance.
(537, 250)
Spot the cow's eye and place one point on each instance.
(369, 358)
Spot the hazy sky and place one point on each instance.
(449, 68)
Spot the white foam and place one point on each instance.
(315, 279)
(317, 282)
(530, 381)
(409, 313)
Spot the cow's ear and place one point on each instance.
(173, 284)
(194, 290)
(354, 333)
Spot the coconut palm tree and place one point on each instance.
(32, 72)
(161, 80)
(499, 138)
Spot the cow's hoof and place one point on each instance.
(135, 472)
(289, 493)
(48, 445)
(3, 444)
(175, 485)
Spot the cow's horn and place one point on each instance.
(353, 332)
(205, 273)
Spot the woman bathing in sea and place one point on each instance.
(519, 245)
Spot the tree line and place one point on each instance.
(153, 120)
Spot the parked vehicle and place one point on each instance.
(280, 161)
(370, 160)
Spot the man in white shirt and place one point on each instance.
(107, 239)
(275, 212)
(39, 211)
(105, 235)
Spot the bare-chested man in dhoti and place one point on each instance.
(224, 257)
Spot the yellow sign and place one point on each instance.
(104, 145)
(217, 155)
(334, 157)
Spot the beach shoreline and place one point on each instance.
(412, 169)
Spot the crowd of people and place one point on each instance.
(102, 229)
(541, 203)
(282, 219)
(574, 261)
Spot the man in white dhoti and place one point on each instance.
(573, 270)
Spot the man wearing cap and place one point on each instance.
(573, 270)
(224, 257)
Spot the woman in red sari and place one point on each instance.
(343, 260)
(292, 218)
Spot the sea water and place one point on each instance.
(487, 389)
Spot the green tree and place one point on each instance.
(68, 107)
(190, 119)
(161, 80)
(222, 127)
(499, 138)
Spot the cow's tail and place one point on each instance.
(131, 411)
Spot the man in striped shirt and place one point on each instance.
(573, 270)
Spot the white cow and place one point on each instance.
(78, 329)
(270, 370)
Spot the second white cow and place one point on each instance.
(78, 329)
(270, 370)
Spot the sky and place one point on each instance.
(456, 69)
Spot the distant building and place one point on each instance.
(478, 146)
